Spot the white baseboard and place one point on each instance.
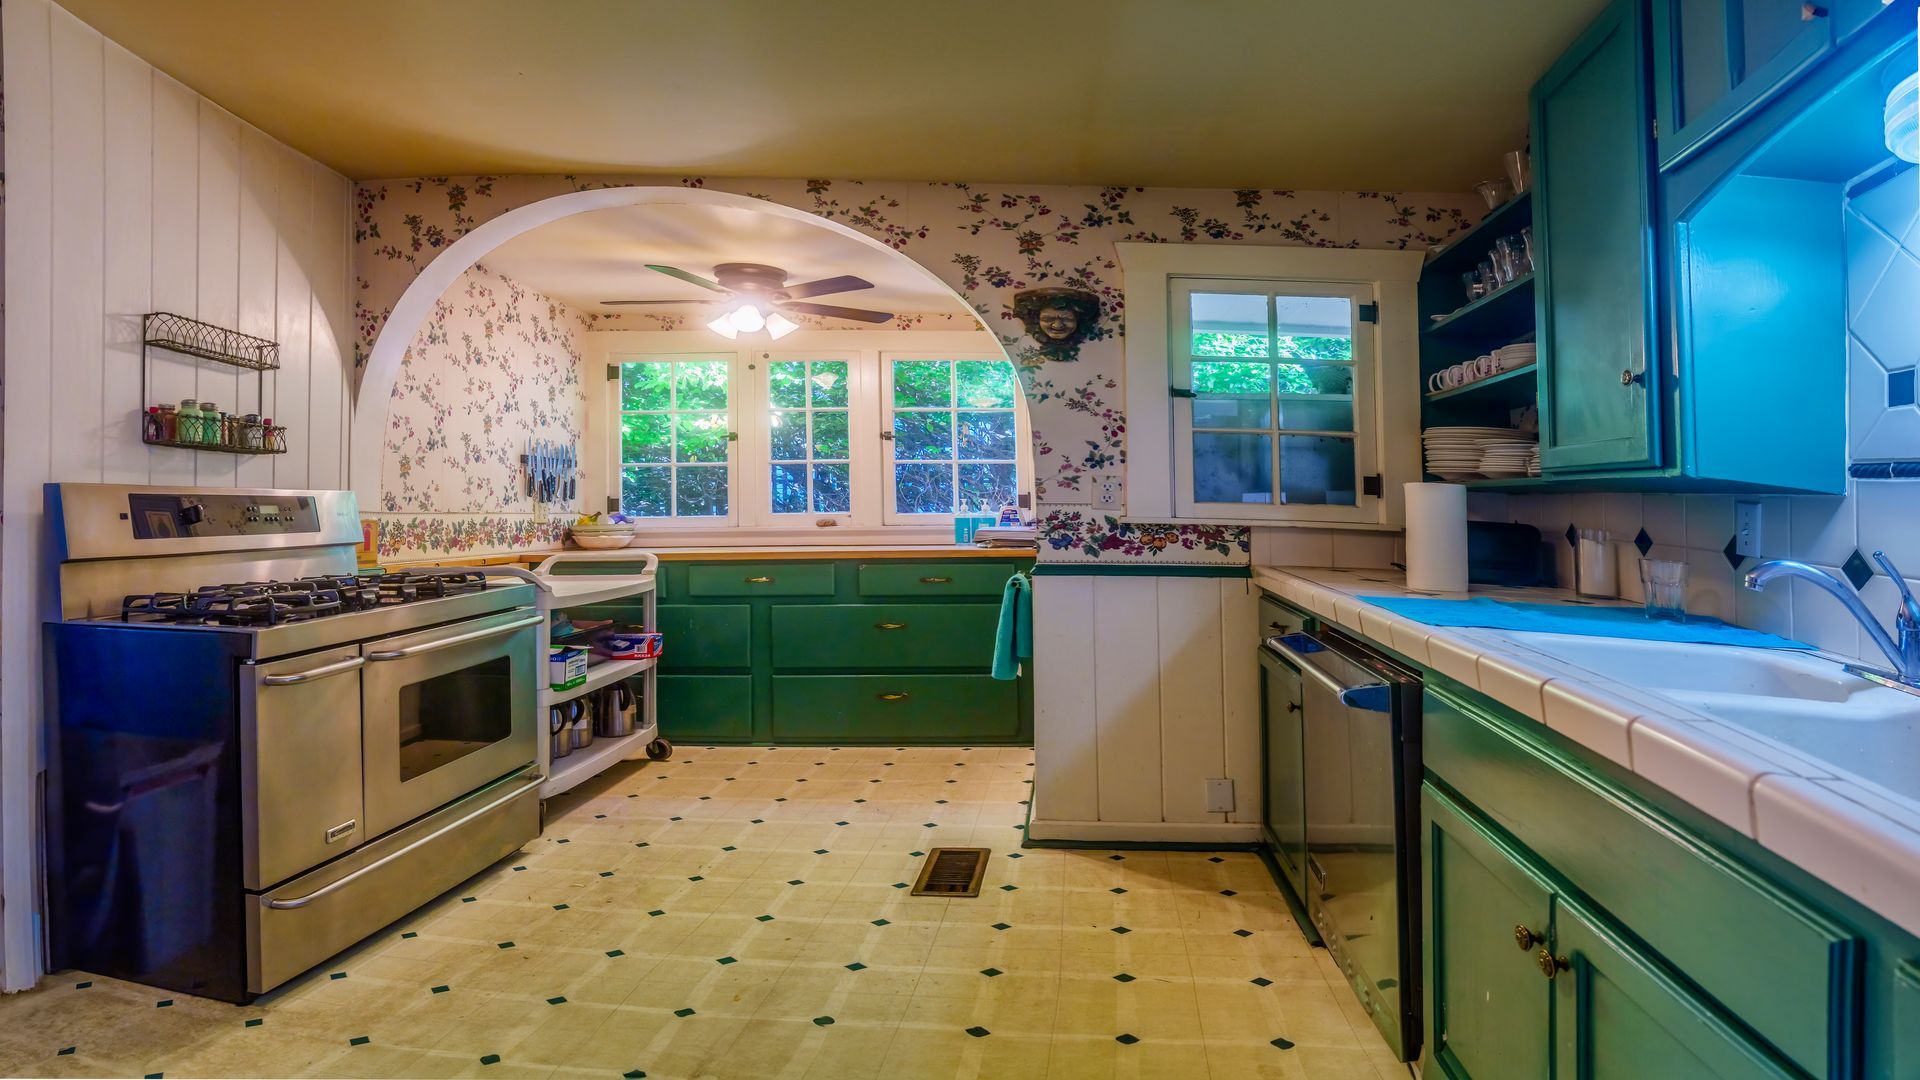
(1146, 832)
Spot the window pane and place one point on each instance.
(701, 491)
(832, 489)
(829, 383)
(923, 489)
(787, 384)
(923, 436)
(984, 384)
(1313, 327)
(789, 489)
(830, 435)
(1316, 397)
(1228, 324)
(701, 384)
(1231, 468)
(985, 435)
(701, 437)
(1225, 377)
(992, 486)
(1316, 470)
(645, 437)
(788, 436)
(922, 383)
(644, 490)
(1233, 413)
(645, 385)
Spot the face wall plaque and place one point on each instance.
(1058, 320)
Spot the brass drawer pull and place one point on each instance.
(893, 696)
(936, 581)
(889, 626)
(1525, 938)
(1550, 965)
(759, 581)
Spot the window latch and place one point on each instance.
(1372, 485)
(887, 435)
(733, 436)
(613, 504)
(1181, 391)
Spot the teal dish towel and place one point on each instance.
(1614, 622)
(1013, 641)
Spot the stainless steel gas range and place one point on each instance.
(258, 756)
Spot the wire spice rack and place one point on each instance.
(193, 337)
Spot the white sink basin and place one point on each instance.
(1797, 699)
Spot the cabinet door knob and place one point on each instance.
(1550, 965)
(759, 581)
(893, 696)
(889, 626)
(1524, 938)
(1631, 378)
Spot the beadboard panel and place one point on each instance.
(1173, 702)
(126, 192)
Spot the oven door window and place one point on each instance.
(446, 717)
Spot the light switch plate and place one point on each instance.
(1219, 795)
(1746, 527)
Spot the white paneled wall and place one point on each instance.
(1150, 688)
(127, 193)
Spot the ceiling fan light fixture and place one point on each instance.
(779, 326)
(724, 326)
(747, 319)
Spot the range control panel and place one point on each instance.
(167, 516)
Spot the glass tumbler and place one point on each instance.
(1665, 583)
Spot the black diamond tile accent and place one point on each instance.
(468, 899)
(358, 1040)
(1243, 933)
(1228, 892)
(1573, 536)
(696, 877)
(929, 825)
(1122, 930)
(656, 913)
(641, 843)
(991, 972)
(1858, 570)
(856, 966)
(1116, 891)
(978, 1032)
(633, 1074)
(1123, 977)
(1117, 858)
(1009, 888)
(559, 907)
(758, 821)
(163, 1003)
(556, 1001)
(1002, 926)
(796, 881)
(729, 847)
(66, 1050)
(683, 1013)
(338, 975)
(1258, 981)
(83, 985)
(899, 884)
(611, 953)
(819, 851)
(881, 922)
(569, 841)
(1643, 542)
(1015, 855)
(1216, 859)
(839, 823)
(1284, 1044)
(1126, 1040)
(823, 1021)
(915, 854)
(1734, 558)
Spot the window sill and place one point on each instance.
(809, 536)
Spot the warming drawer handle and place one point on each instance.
(762, 580)
(936, 581)
(334, 886)
(1370, 696)
(457, 639)
(321, 672)
(893, 695)
(889, 626)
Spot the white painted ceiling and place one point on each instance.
(1418, 95)
(602, 255)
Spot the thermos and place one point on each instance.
(617, 712)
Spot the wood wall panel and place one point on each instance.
(1066, 763)
(1126, 674)
(127, 251)
(1192, 747)
(1240, 695)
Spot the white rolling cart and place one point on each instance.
(560, 593)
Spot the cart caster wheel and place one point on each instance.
(659, 750)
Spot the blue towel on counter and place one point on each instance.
(1013, 641)
(1614, 622)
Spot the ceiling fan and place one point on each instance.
(756, 296)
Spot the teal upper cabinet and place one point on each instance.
(1599, 390)
(1715, 60)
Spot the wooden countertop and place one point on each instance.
(759, 554)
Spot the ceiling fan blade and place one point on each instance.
(634, 302)
(691, 279)
(833, 311)
(843, 283)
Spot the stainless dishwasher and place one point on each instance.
(1343, 761)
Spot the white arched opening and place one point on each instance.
(382, 368)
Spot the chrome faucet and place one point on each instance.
(1902, 647)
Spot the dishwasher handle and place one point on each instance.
(1305, 652)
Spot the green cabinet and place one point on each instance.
(894, 708)
(706, 637)
(1716, 60)
(710, 708)
(761, 579)
(978, 578)
(884, 637)
(1594, 253)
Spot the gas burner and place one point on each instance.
(428, 584)
(272, 603)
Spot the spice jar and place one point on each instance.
(169, 424)
(251, 436)
(209, 424)
(188, 421)
(150, 425)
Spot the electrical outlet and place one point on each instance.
(1746, 528)
(1107, 491)
(1219, 795)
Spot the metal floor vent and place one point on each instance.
(953, 871)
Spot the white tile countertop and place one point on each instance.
(1860, 838)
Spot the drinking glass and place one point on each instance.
(1665, 583)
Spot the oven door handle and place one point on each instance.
(457, 639)
(321, 672)
(341, 883)
(1372, 696)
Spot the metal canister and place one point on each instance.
(583, 727)
(616, 712)
(560, 731)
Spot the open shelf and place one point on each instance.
(602, 674)
(1505, 312)
(1516, 387)
(590, 761)
(1464, 252)
(178, 333)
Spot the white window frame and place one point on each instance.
(1365, 370)
(1023, 434)
(1156, 428)
(862, 432)
(735, 386)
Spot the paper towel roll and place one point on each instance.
(1437, 537)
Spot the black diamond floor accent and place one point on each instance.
(978, 1032)
(1228, 892)
(1216, 859)
(1123, 977)
(1122, 930)
(556, 1001)
(763, 918)
(441, 989)
(615, 953)
(880, 922)
(856, 966)
(1261, 981)
(1117, 892)
(1002, 926)
(823, 1021)
(991, 972)
(683, 1013)
(1126, 1040)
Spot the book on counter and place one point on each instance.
(1007, 536)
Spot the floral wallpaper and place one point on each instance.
(495, 367)
(987, 241)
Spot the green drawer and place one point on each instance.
(883, 637)
(1699, 909)
(917, 579)
(695, 707)
(761, 579)
(903, 708)
(706, 636)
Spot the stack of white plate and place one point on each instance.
(1533, 461)
(1508, 455)
(1515, 356)
(1455, 453)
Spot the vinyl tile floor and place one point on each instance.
(744, 912)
